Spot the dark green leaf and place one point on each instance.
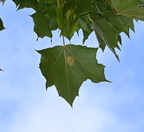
(106, 31)
(42, 25)
(84, 7)
(1, 25)
(67, 67)
(69, 27)
(121, 22)
(66, 19)
(119, 39)
(26, 3)
(85, 25)
(45, 22)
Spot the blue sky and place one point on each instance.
(25, 105)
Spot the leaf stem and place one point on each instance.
(63, 40)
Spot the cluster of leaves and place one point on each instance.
(68, 66)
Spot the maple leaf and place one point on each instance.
(67, 67)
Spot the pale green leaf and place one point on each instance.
(130, 8)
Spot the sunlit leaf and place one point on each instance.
(130, 8)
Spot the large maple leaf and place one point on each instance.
(67, 67)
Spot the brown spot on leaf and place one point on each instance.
(70, 60)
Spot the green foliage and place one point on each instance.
(68, 66)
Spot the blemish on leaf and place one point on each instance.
(70, 60)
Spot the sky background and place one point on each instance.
(25, 105)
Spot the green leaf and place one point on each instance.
(85, 25)
(130, 8)
(67, 67)
(26, 4)
(68, 13)
(84, 7)
(69, 28)
(66, 19)
(106, 31)
(44, 23)
(121, 22)
(1, 25)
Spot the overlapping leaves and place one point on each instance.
(107, 18)
(72, 15)
(67, 67)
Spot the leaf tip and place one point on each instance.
(1, 70)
